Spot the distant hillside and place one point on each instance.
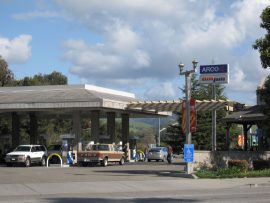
(153, 122)
(137, 126)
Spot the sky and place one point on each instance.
(135, 46)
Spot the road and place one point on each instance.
(139, 182)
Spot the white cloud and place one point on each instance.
(161, 91)
(17, 50)
(142, 58)
(121, 37)
(147, 39)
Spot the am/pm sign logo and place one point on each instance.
(214, 74)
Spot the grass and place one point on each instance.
(232, 173)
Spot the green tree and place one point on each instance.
(263, 44)
(202, 137)
(6, 75)
(54, 78)
(264, 93)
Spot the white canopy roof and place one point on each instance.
(176, 106)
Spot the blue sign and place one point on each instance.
(212, 69)
(188, 152)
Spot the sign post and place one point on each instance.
(213, 75)
(189, 156)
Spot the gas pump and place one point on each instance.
(67, 147)
(133, 148)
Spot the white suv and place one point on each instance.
(27, 154)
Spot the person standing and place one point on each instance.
(146, 151)
(170, 154)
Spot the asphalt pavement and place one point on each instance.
(139, 182)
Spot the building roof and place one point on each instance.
(251, 114)
(62, 96)
(87, 97)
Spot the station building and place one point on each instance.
(83, 101)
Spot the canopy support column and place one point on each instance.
(111, 126)
(95, 125)
(15, 129)
(33, 128)
(77, 128)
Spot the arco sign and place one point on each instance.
(214, 74)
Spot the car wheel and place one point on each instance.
(84, 164)
(157, 160)
(149, 160)
(122, 161)
(105, 162)
(27, 162)
(43, 161)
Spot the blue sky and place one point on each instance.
(132, 45)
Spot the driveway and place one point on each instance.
(113, 172)
(134, 182)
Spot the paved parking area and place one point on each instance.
(133, 182)
(113, 172)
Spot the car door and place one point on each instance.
(40, 152)
(34, 154)
(117, 153)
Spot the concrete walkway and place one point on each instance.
(180, 184)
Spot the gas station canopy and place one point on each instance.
(176, 106)
(85, 97)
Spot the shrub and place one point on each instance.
(261, 164)
(232, 173)
(242, 165)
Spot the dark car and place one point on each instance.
(53, 152)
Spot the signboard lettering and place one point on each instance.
(214, 78)
(214, 74)
(210, 69)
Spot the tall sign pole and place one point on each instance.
(188, 148)
(214, 74)
(188, 88)
(214, 119)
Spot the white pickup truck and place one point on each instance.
(27, 154)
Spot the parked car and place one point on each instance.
(55, 149)
(101, 154)
(158, 153)
(27, 155)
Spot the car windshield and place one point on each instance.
(54, 147)
(23, 149)
(155, 150)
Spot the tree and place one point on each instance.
(202, 137)
(6, 75)
(264, 93)
(54, 78)
(263, 44)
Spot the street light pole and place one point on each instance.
(188, 75)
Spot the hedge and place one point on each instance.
(242, 165)
(261, 164)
